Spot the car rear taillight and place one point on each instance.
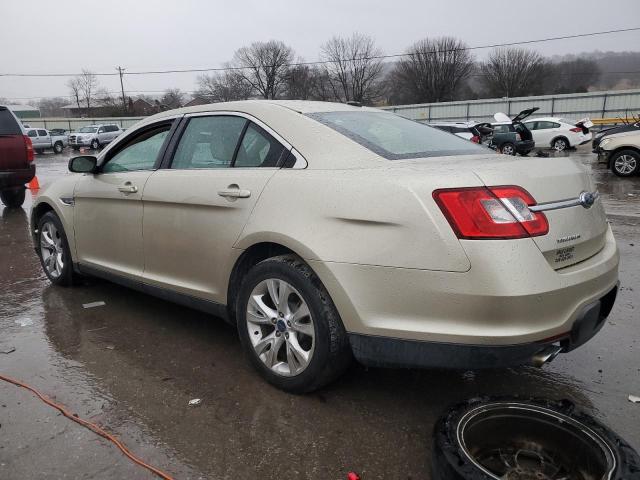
(29, 146)
(491, 212)
(475, 139)
(518, 137)
(576, 130)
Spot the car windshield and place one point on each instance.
(396, 138)
(88, 130)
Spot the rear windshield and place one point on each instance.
(8, 124)
(396, 138)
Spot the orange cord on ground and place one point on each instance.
(91, 426)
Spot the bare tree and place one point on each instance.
(173, 98)
(572, 76)
(512, 72)
(88, 84)
(265, 66)
(300, 82)
(74, 88)
(223, 87)
(433, 70)
(353, 70)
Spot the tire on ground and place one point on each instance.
(332, 352)
(13, 197)
(68, 277)
(634, 163)
(449, 462)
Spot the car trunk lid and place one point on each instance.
(575, 232)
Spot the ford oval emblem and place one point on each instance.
(587, 199)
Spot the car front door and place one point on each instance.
(108, 204)
(196, 208)
(545, 133)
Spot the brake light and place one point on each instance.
(491, 212)
(518, 137)
(576, 130)
(29, 146)
(475, 139)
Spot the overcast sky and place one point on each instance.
(67, 36)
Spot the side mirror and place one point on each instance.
(83, 164)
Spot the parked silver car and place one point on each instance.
(94, 136)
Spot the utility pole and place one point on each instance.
(124, 101)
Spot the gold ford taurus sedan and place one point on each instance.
(327, 231)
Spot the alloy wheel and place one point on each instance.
(625, 164)
(51, 250)
(280, 327)
(559, 145)
(508, 150)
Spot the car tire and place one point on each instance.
(560, 144)
(75, 149)
(58, 147)
(13, 197)
(95, 144)
(625, 163)
(508, 149)
(463, 449)
(52, 243)
(39, 151)
(271, 334)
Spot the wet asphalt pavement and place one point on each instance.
(133, 365)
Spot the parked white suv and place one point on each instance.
(559, 133)
(94, 136)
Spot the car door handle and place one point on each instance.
(234, 192)
(128, 187)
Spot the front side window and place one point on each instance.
(258, 149)
(394, 137)
(32, 133)
(140, 153)
(531, 125)
(546, 125)
(209, 142)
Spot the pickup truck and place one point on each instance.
(42, 139)
(16, 159)
(94, 136)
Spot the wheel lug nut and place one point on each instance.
(278, 334)
(274, 321)
(281, 314)
(286, 335)
(288, 323)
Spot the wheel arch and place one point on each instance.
(43, 206)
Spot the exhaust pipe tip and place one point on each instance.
(546, 355)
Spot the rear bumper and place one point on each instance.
(525, 146)
(379, 351)
(16, 178)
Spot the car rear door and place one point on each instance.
(44, 139)
(196, 208)
(108, 204)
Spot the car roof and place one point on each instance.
(544, 119)
(453, 124)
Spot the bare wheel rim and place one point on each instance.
(625, 164)
(280, 327)
(560, 145)
(51, 249)
(512, 441)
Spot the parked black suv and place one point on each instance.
(16, 159)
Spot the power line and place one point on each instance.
(321, 62)
(127, 91)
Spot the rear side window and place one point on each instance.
(8, 124)
(42, 133)
(394, 137)
(258, 149)
(209, 142)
